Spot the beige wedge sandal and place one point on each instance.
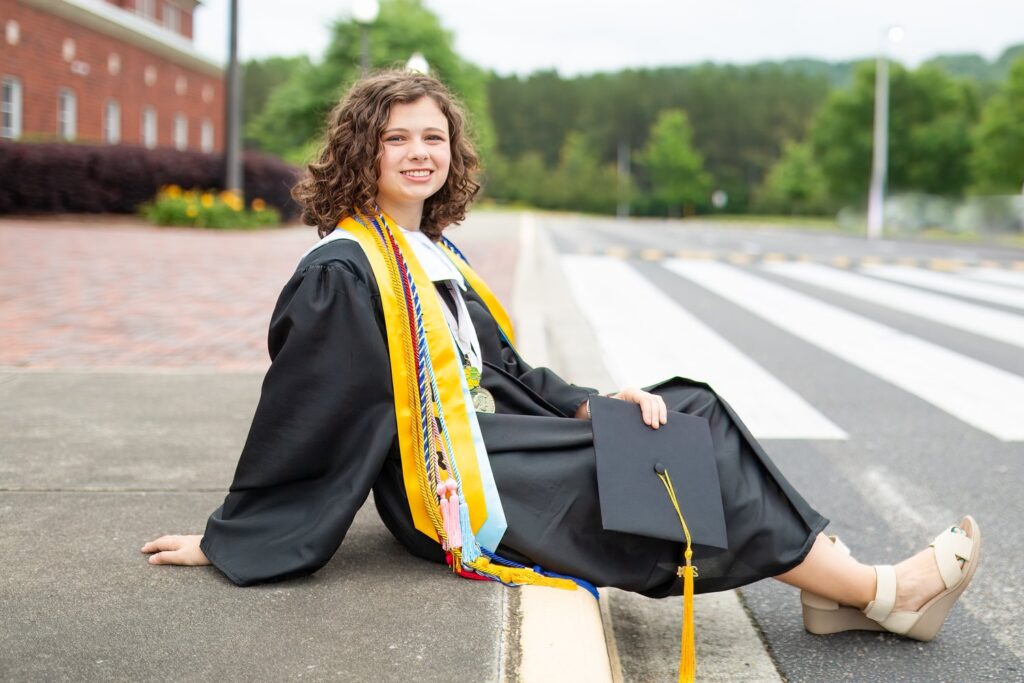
(949, 547)
(823, 616)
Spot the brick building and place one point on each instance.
(108, 71)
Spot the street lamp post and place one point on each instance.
(880, 147)
(365, 13)
(232, 129)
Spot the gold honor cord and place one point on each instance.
(447, 369)
(688, 651)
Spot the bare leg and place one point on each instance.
(830, 573)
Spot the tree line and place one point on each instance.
(790, 137)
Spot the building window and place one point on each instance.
(206, 136)
(67, 49)
(114, 63)
(146, 8)
(180, 131)
(112, 122)
(172, 18)
(66, 114)
(149, 127)
(12, 31)
(10, 109)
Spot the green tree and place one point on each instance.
(675, 171)
(740, 115)
(794, 185)
(929, 111)
(296, 110)
(581, 182)
(997, 160)
(260, 78)
(526, 179)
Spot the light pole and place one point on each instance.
(880, 148)
(232, 116)
(365, 13)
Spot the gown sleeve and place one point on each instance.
(563, 395)
(322, 430)
(545, 383)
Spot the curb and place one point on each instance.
(560, 633)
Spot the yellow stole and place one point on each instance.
(397, 273)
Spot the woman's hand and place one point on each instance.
(176, 550)
(652, 406)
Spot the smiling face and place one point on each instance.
(415, 158)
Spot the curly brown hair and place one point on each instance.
(343, 179)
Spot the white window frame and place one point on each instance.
(67, 114)
(206, 136)
(172, 17)
(112, 121)
(10, 108)
(149, 129)
(146, 8)
(180, 131)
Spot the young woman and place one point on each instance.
(393, 370)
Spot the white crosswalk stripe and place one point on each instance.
(979, 394)
(999, 277)
(987, 322)
(952, 284)
(645, 336)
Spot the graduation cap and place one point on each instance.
(630, 458)
(661, 483)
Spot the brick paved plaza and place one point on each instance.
(115, 293)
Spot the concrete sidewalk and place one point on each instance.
(131, 364)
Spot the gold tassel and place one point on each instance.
(688, 648)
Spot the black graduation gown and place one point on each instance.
(324, 435)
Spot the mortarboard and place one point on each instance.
(661, 483)
(632, 496)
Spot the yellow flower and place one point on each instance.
(206, 200)
(191, 211)
(173, 191)
(258, 204)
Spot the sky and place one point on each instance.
(585, 36)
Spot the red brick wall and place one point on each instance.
(38, 62)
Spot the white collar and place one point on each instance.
(434, 261)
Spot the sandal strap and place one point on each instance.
(885, 593)
(949, 546)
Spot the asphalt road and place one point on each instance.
(890, 394)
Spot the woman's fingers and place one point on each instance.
(652, 407)
(655, 411)
(176, 550)
(165, 557)
(162, 543)
(184, 556)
